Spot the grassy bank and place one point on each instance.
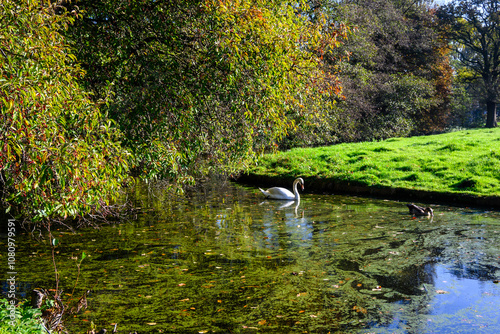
(461, 164)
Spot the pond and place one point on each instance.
(224, 260)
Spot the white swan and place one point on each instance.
(282, 193)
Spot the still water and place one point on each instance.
(224, 260)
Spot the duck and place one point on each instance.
(419, 211)
(284, 194)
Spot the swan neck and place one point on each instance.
(295, 191)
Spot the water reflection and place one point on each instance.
(224, 260)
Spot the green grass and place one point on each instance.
(464, 162)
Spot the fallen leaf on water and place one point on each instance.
(359, 309)
(441, 292)
(181, 284)
(151, 323)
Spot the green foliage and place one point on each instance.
(27, 319)
(60, 156)
(464, 107)
(459, 162)
(397, 80)
(202, 86)
(473, 27)
(403, 98)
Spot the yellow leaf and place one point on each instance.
(262, 322)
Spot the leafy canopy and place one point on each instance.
(397, 79)
(60, 156)
(202, 86)
(473, 26)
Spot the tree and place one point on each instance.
(474, 28)
(397, 79)
(59, 156)
(204, 85)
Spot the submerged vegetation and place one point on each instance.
(226, 260)
(461, 162)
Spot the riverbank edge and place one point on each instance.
(333, 186)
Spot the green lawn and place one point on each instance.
(462, 162)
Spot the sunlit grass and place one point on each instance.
(457, 162)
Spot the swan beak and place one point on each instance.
(302, 186)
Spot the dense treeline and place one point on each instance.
(473, 26)
(94, 92)
(397, 80)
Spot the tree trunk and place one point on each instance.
(491, 116)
